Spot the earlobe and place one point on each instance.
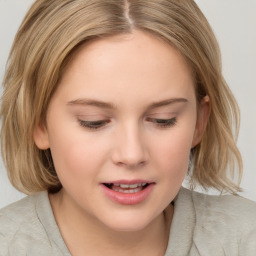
(202, 119)
(41, 137)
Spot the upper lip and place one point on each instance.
(129, 182)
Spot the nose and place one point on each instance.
(130, 148)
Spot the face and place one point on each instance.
(120, 128)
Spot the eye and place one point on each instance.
(163, 123)
(93, 125)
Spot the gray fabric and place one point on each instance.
(212, 226)
(28, 227)
(202, 225)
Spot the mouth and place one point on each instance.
(127, 188)
(128, 192)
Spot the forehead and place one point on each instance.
(125, 65)
(129, 47)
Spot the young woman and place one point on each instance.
(107, 106)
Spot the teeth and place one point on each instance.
(134, 185)
(127, 191)
(130, 185)
(124, 186)
(127, 188)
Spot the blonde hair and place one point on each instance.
(50, 33)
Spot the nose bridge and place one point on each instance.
(130, 147)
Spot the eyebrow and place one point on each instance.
(91, 102)
(167, 102)
(102, 104)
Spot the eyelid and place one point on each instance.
(92, 117)
(98, 124)
(162, 122)
(162, 115)
(93, 125)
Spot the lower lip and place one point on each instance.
(128, 198)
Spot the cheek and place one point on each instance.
(173, 151)
(74, 155)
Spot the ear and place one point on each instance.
(41, 137)
(202, 119)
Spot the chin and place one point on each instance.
(128, 222)
(127, 227)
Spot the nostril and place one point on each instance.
(132, 165)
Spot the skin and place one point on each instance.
(130, 72)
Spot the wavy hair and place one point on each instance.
(51, 32)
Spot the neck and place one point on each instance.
(83, 233)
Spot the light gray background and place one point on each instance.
(234, 22)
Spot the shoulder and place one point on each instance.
(13, 216)
(228, 220)
(20, 225)
(236, 209)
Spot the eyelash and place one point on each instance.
(95, 125)
(163, 123)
